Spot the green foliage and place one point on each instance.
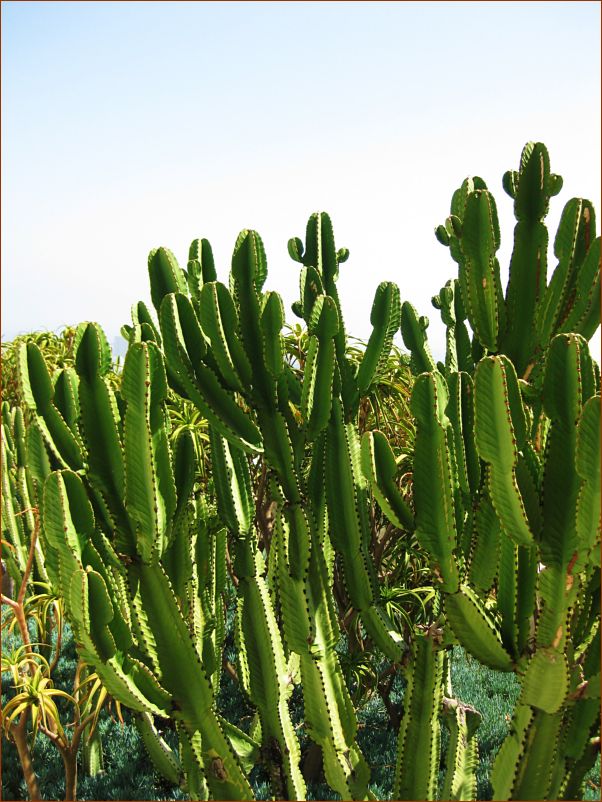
(503, 502)
(353, 553)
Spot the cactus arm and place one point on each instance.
(266, 678)
(165, 275)
(329, 712)
(279, 453)
(413, 331)
(460, 411)
(200, 251)
(247, 277)
(587, 462)
(462, 757)
(546, 680)
(200, 269)
(584, 315)
(8, 426)
(576, 745)
(316, 398)
(311, 630)
(310, 287)
(525, 765)
(457, 342)
(184, 469)
(12, 523)
(500, 431)
(433, 478)
(220, 324)
(90, 602)
(271, 322)
(142, 317)
(568, 383)
(183, 675)
(320, 253)
(320, 249)
(178, 555)
(347, 500)
(576, 233)
(474, 628)
(150, 491)
(506, 763)
(292, 591)
(385, 318)
(37, 393)
(163, 757)
(485, 546)
(318, 374)
(18, 445)
(27, 502)
(479, 269)
(233, 485)
(245, 746)
(193, 765)
(100, 422)
(531, 187)
(182, 340)
(557, 590)
(67, 521)
(66, 397)
(67, 524)
(525, 604)
(507, 593)
(526, 286)
(380, 469)
(268, 686)
(419, 736)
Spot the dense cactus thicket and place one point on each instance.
(504, 502)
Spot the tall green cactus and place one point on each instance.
(230, 341)
(105, 540)
(129, 551)
(504, 473)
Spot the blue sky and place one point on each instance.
(132, 125)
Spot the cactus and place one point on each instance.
(419, 732)
(242, 327)
(142, 573)
(505, 501)
(109, 547)
(504, 472)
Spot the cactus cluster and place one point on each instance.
(507, 467)
(505, 503)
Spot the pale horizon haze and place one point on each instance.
(129, 125)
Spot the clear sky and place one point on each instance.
(131, 125)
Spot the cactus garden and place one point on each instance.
(266, 544)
